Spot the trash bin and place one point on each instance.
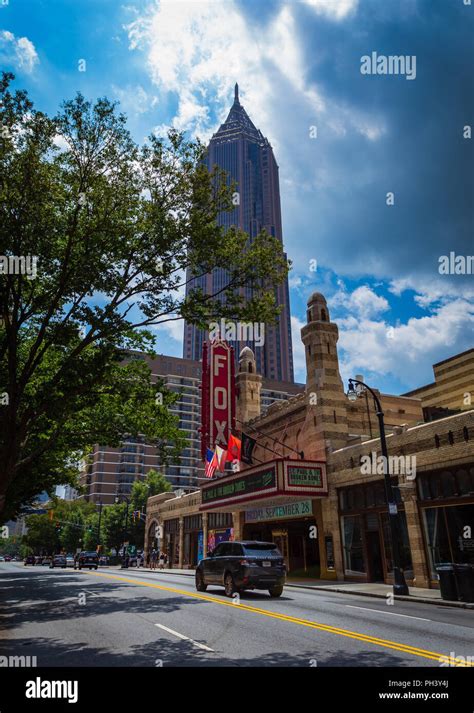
(464, 575)
(447, 582)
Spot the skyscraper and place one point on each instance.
(246, 155)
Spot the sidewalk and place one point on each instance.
(380, 591)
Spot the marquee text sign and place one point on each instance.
(280, 512)
(220, 393)
(262, 481)
(288, 480)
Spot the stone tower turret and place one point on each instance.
(324, 387)
(249, 384)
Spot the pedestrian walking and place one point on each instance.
(148, 557)
(162, 560)
(154, 557)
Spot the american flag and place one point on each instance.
(211, 463)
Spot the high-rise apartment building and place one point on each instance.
(246, 155)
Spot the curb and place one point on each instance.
(403, 598)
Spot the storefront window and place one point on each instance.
(436, 537)
(465, 481)
(403, 544)
(353, 549)
(460, 521)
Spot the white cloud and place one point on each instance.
(18, 51)
(135, 99)
(198, 50)
(333, 9)
(437, 290)
(406, 351)
(363, 302)
(173, 330)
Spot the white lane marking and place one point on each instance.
(185, 638)
(391, 613)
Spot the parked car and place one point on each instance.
(69, 560)
(87, 559)
(29, 559)
(238, 566)
(46, 561)
(103, 561)
(8, 558)
(58, 561)
(38, 560)
(2, 559)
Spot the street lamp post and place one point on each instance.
(124, 530)
(399, 584)
(98, 525)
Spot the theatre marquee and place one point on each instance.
(276, 481)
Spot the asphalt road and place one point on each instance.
(142, 618)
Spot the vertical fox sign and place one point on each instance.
(218, 395)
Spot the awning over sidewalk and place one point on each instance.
(279, 480)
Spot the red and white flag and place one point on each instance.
(221, 458)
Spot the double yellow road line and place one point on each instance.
(385, 643)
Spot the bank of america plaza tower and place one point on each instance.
(246, 155)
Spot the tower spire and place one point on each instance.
(236, 94)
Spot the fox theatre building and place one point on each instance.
(291, 473)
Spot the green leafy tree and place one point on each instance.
(10, 546)
(113, 527)
(42, 536)
(114, 233)
(154, 484)
(91, 525)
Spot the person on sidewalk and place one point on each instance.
(162, 560)
(154, 557)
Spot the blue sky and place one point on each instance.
(298, 63)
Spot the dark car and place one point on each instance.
(29, 559)
(87, 559)
(237, 566)
(58, 561)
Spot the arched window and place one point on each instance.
(250, 367)
(324, 317)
